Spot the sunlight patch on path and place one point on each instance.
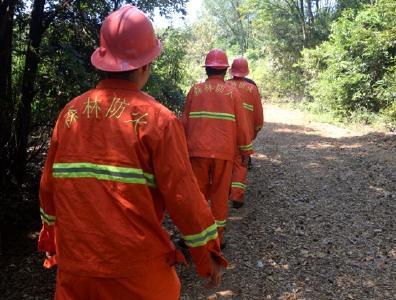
(275, 114)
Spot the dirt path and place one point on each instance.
(320, 216)
(319, 221)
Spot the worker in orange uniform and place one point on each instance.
(254, 111)
(117, 161)
(215, 127)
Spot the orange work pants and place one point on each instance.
(214, 179)
(238, 182)
(157, 282)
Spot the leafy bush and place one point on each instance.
(389, 116)
(276, 83)
(169, 71)
(353, 74)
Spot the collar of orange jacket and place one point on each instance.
(117, 84)
(216, 77)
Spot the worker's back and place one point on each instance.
(212, 114)
(104, 187)
(251, 103)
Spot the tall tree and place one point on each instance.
(7, 9)
(309, 12)
(300, 10)
(229, 17)
(39, 22)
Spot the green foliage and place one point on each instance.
(232, 23)
(281, 30)
(389, 114)
(385, 88)
(169, 70)
(276, 84)
(261, 73)
(353, 74)
(65, 70)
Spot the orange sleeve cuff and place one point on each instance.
(46, 242)
(203, 255)
(247, 152)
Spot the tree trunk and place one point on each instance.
(309, 12)
(242, 32)
(7, 8)
(116, 4)
(302, 20)
(23, 118)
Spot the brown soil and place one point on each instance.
(318, 223)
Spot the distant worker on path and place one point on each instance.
(216, 128)
(254, 110)
(117, 161)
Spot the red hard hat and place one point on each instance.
(239, 67)
(127, 41)
(216, 59)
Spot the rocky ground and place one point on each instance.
(319, 221)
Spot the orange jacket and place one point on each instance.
(118, 159)
(214, 121)
(251, 103)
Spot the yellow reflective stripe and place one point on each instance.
(238, 185)
(102, 172)
(46, 218)
(220, 223)
(246, 147)
(212, 115)
(201, 238)
(150, 179)
(248, 106)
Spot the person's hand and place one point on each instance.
(245, 160)
(216, 275)
(50, 260)
(49, 254)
